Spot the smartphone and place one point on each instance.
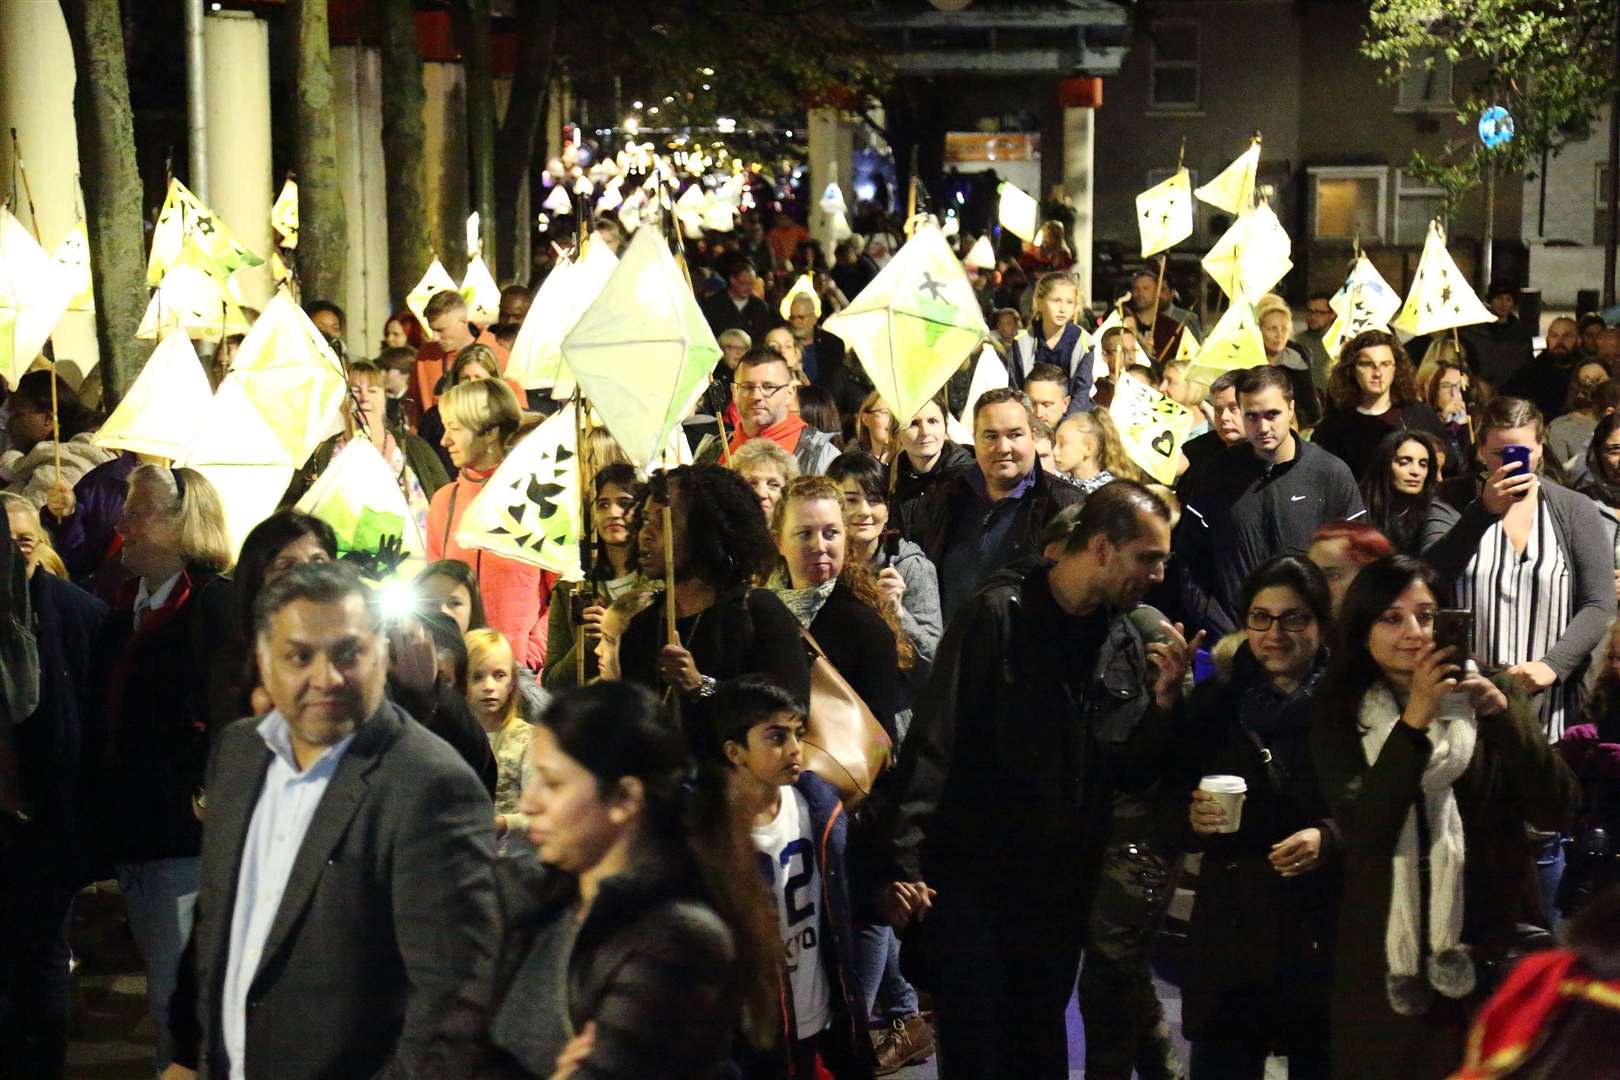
(1515, 453)
(578, 601)
(1454, 630)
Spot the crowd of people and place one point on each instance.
(854, 746)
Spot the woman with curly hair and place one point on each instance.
(1399, 486)
(1374, 392)
(726, 626)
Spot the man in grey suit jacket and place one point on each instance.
(347, 901)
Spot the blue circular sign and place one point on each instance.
(1495, 127)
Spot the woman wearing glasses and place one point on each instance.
(1374, 392)
(1262, 925)
(1430, 792)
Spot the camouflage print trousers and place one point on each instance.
(1124, 1020)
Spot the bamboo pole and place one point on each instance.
(585, 503)
(1153, 312)
(669, 575)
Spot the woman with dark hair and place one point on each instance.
(1600, 480)
(640, 942)
(1431, 772)
(1398, 487)
(31, 463)
(1262, 929)
(1374, 391)
(726, 626)
(927, 455)
(1532, 560)
(450, 587)
(906, 580)
(819, 409)
(613, 573)
(285, 539)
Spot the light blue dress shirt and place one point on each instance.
(287, 804)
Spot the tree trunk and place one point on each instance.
(472, 37)
(409, 247)
(112, 188)
(530, 85)
(323, 235)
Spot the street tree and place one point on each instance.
(112, 187)
(323, 237)
(1553, 64)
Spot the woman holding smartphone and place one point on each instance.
(1532, 560)
(1430, 773)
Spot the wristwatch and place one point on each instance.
(707, 684)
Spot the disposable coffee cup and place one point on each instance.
(1228, 792)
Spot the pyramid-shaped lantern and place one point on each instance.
(291, 375)
(163, 411)
(913, 324)
(643, 351)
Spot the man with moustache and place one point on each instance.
(347, 902)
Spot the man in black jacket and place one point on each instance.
(991, 515)
(347, 886)
(737, 306)
(1263, 498)
(1046, 720)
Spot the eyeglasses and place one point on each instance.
(1295, 622)
(768, 390)
(1370, 365)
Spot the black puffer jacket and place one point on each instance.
(651, 967)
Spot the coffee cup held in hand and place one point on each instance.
(1228, 792)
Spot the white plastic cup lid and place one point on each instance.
(1224, 785)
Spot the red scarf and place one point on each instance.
(1510, 1024)
(124, 664)
(784, 433)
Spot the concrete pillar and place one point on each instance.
(832, 157)
(357, 101)
(444, 148)
(236, 66)
(36, 98)
(1079, 137)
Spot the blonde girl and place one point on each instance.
(492, 695)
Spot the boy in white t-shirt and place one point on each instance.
(800, 829)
